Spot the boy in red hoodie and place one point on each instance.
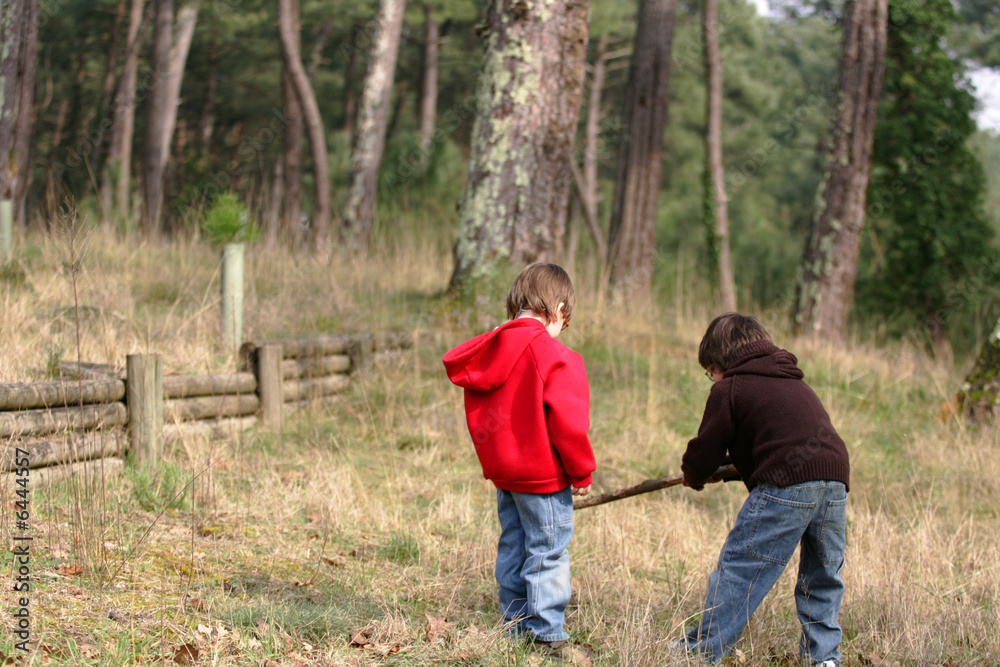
(527, 403)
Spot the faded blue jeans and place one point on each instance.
(533, 563)
(771, 524)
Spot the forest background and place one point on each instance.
(238, 127)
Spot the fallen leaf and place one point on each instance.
(741, 657)
(394, 650)
(4, 660)
(314, 517)
(204, 629)
(75, 590)
(436, 625)
(197, 603)
(70, 570)
(334, 562)
(186, 654)
(360, 639)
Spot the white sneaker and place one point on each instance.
(825, 663)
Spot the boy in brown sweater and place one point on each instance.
(773, 427)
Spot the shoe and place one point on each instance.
(578, 655)
(825, 663)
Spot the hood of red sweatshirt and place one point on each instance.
(485, 362)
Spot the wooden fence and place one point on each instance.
(86, 426)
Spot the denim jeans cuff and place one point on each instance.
(553, 637)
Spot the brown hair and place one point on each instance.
(539, 288)
(725, 335)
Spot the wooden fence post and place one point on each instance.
(6, 230)
(269, 386)
(144, 398)
(232, 295)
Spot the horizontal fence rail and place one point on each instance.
(83, 427)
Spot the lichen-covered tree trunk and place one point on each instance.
(825, 289)
(632, 233)
(716, 198)
(369, 139)
(513, 207)
(980, 393)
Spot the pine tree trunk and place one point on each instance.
(317, 53)
(369, 139)
(350, 98)
(825, 290)
(156, 118)
(313, 121)
(428, 88)
(11, 34)
(717, 224)
(25, 126)
(291, 178)
(118, 167)
(592, 130)
(513, 207)
(980, 394)
(179, 49)
(111, 66)
(206, 126)
(632, 234)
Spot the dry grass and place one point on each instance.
(372, 520)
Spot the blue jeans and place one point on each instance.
(773, 521)
(533, 563)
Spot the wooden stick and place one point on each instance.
(646, 487)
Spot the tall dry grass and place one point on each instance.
(365, 534)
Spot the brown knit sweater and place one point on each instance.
(770, 422)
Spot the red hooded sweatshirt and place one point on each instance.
(527, 402)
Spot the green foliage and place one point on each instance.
(228, 221)
(977, 35)
(164, 488)
(931, 253)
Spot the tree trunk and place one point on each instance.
(291, 179)
(716, 199)
(11, 33)
(110, 67)
(980, 394)
(313, 120)
(428, 88)
(632, 234)
(179, 49)
(350, 99)
(825, 289)
(24, 129)
(117, 177)
(369, 140)
(206, 127)
(592, 130)
(291, 172)
(513, 207)
(156, 118)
